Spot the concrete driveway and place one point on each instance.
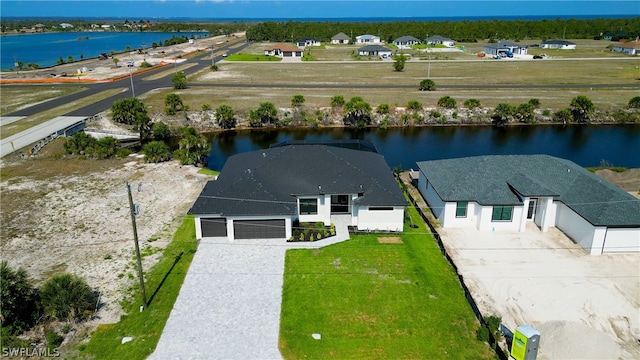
(229, 303)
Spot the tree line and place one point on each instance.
(461, 31)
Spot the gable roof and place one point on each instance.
(559, 42)
(498, 179)
(283, 47)
(305, 39)
(503, 45)
(629, 45)
(374, 48)
(437, 38)
(267, 182)
(340, 36)
(406, 38)
(367, 36)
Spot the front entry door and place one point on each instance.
(531, 211)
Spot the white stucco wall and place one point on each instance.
(433, 199)
(622, 240)
(469, 221)
(324, 210)
(384, 220)
(486, 224)
(578, 229)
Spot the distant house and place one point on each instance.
(39, 27)
(340, 38)
(629, 48)
(283, 50)
(439, 40)
(375, 50)
(66, 26)
(105, 26)
(308, 41)
(367, 39)
(501, 48)
(558, 44)
(405, 42)
(260, 194)
(618, 35)
(507, 192)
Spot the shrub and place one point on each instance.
(447, 102)
(297, 100)
(546, 112)
(54, 339)
(427, 85)
(435, 114)
(145, 65)
(19, 301)
(472, 103)
(79, 142)
(534, 102)
(414, 105)
(581, 108)
(266, 113)
(337, 101)
(563, 116)
(634, 103)
(67, 297)
(106, 147)
(382, 109)
(179, 80)
(123, 153)
(225, 117)
(173, 103)
(358, 112)
(206, 107)
(156, 152)
(161, 130)
(124, 111)
(213, 67)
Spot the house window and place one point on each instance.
(308, 206)
(380, 208)
(502, 213)
(461, 209)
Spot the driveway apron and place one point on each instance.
(229, 304)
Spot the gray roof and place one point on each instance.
(503, 45)
(406, 38)
(497, 180)
(341, 36)
(437, 38)
(374, 48)
(559, 42)
(367, 36)
(266, 182)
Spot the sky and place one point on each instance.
(305, 9)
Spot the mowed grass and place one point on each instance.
(163, 283)
(252, 57)
(16, 97)
(376, 301)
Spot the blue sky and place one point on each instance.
(292, 9)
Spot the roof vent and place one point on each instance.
(248, 171)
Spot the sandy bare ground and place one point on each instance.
(586, 307)
(81, 223)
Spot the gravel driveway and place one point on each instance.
(229, 303)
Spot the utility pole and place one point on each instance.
(135, 240)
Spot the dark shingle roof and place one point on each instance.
(503, 45)
(491, 180)
(559, 42)
(265, 182)
(437, 38)
(374, 48)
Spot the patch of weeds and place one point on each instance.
(107, 257)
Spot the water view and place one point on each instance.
(590, 145)
(45, 49)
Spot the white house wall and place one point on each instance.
(383, 220)
(622, 240)
(469, 221)
(324, 211)
(486, 224)
(578, 229)
(433, 199)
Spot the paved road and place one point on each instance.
(229, 304)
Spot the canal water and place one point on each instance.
(586, 145)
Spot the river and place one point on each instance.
(586, 145)
(45, 49)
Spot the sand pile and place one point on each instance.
(571, 340)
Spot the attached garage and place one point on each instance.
(259, 229)
(213, 227)
(621, 240)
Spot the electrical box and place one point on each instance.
(526, 341)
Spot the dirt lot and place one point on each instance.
(61, 215)
(585, 307)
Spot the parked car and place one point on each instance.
(537, 57)
(225, 55)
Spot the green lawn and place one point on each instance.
(376, 301)
(163, 284)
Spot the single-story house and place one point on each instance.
(616, 36)
(507, 192)
(367, 39)
(260, 194)
(283, 50)
(340, 38)
(501, 47)
(405, 42)
(629, 48)
(375, 50)
(558, 44)
(66, 26)
(308, 41)
(439, 40)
